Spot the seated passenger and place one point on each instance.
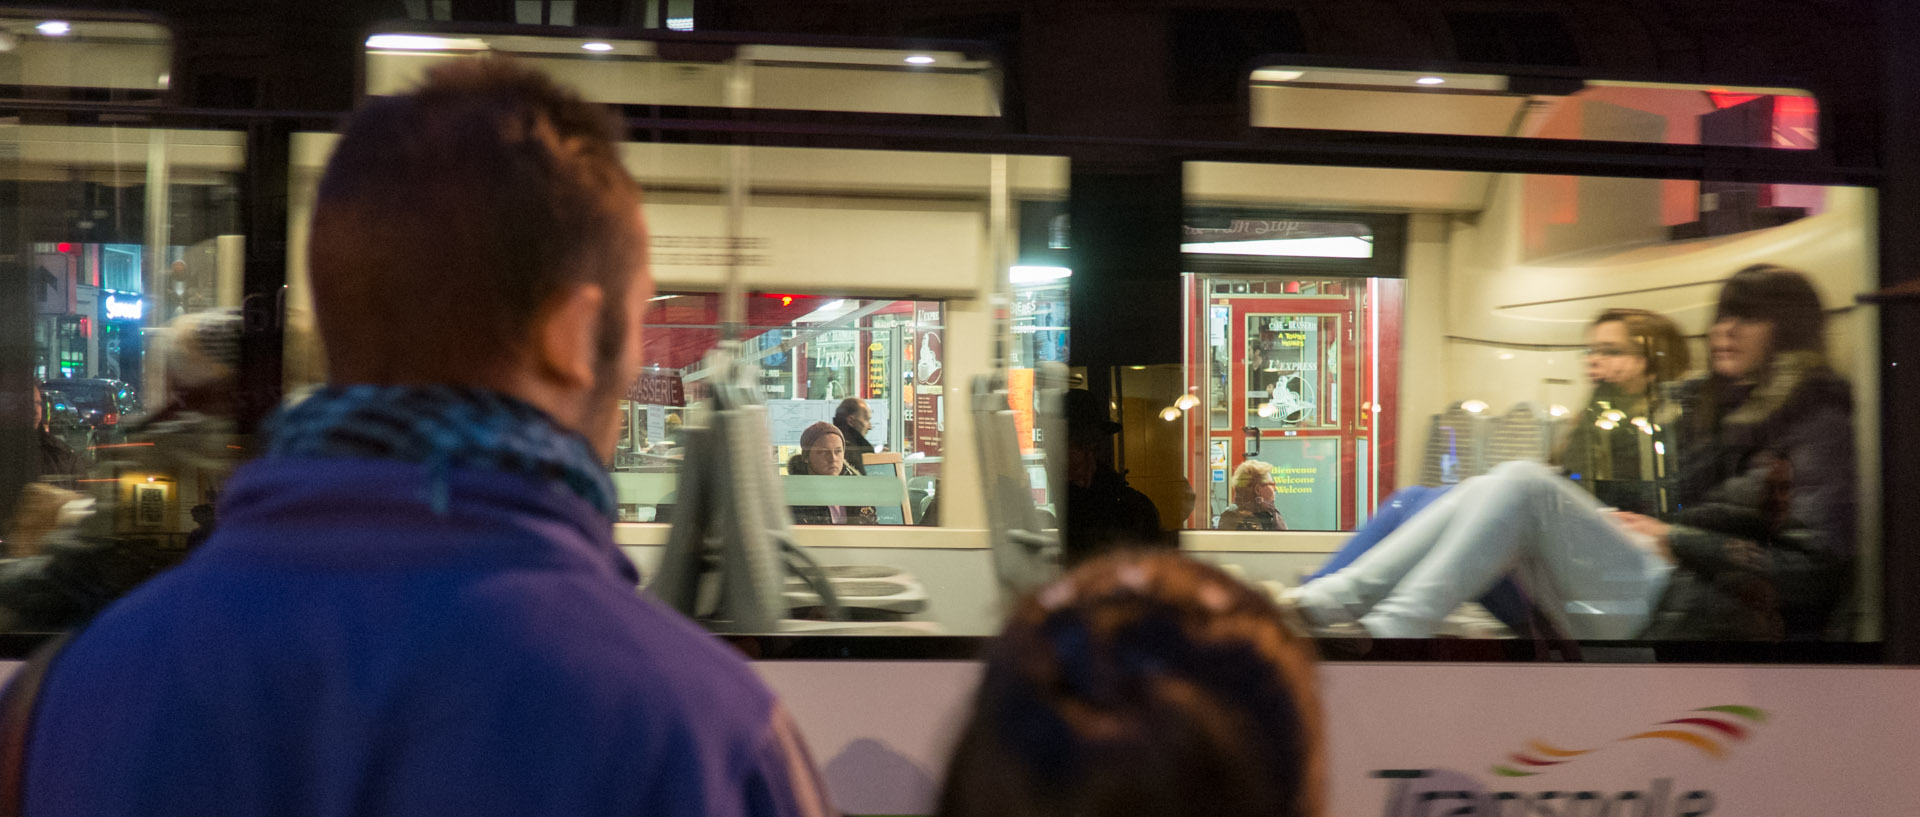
(1759, 543)
(854, 419)
(823, 453)
(1253, 495)
(1631, 354)
(1142, 683)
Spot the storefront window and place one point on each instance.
(813, 355)
(1290, 372)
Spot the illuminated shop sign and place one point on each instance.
(124, 309)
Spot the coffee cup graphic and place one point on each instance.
(929, 363)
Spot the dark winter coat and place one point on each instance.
(1763, 528)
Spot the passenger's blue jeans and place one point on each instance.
(1590, 576)
(1504, 600)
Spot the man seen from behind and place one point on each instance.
(413, 603)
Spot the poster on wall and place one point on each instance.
(1306, 480)
(929, 399)
(150, 505)
(929, 420)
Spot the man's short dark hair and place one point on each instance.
(846, 409)
(451, 216)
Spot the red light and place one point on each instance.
(110, 419)
(1723, 98)
(63, 247)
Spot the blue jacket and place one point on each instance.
(339, 648)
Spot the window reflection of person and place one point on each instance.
(1103, 511)
(1254, 491)
(823, 453)
(58, 462)
(44, 505)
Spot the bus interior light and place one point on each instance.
(1026, 274)
(55, 28)
(420, 42)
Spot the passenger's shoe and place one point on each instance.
(1338, 639)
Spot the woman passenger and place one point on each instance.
(1631, 356)
(1254, 490)
(1757, 548)
(1142, 683)
(823, 451)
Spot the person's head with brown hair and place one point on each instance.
(823, 450)
(1635, 349)
(480, 230)
(1142, 683)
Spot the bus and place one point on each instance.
(1380, 281)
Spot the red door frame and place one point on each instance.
(1376, 333)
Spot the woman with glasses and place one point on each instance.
(1254, 489)
(1611, 449)
(1630, 354)
(1757, 545)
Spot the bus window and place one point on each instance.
(126, 367)
(1319, 406)
(862, 274)
(871, 369)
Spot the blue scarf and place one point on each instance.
(443, 427)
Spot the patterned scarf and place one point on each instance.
(444, 427)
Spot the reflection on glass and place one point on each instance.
(130, 353)
(1533, 107)
(777, 77)
(124, 60)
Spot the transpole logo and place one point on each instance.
(1712, 730)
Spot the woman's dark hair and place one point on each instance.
(1656, 337)
(1782, 297)
(1142, 683)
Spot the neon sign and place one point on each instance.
(128, 310)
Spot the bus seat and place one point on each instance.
(1453, 450)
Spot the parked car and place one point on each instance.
(92, 403)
